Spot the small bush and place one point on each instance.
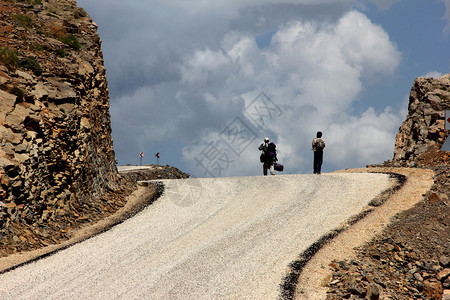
(29, 63)
(18, 92)
(442, 97)
(32, 2)
(9, 58)
(61, 53)
(37, 47)
(23, 20)
(72, 41)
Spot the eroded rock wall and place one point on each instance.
(423, 128)
(56, 150)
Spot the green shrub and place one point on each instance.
(72, 41)
(37, 47)
(61, 52)
(9, 58)
(29, 63)
(23, 20)
(442, 97)
(32, 2)
(18, 92)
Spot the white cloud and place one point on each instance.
(433, 74)
(365, 139)
(314, 74)
(202, 65)
(366, 44)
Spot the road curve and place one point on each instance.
(226, 238)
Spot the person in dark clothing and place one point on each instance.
(317, 146)
(269, 156)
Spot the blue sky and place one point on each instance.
(203, 82)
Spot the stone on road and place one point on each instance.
(224, 238)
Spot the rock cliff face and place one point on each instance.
(423, 130)
(56, 151)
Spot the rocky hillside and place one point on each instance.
(57, 164)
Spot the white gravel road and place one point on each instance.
(133, 168)
(227, 238)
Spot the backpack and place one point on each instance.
(319, 143)
(271, 149)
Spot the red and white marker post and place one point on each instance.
(141, 155)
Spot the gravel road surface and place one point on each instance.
(133, 168)
(226, 238)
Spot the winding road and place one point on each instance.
(224, 238)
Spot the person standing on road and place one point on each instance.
(268, 156)
(317, 146)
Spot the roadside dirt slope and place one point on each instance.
(312, 282)
(408, 234)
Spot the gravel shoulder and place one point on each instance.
(316, 274)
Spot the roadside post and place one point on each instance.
(141, 155)
(157, 158)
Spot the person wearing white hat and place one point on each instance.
(268, 156)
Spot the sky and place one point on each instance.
(203, 82)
